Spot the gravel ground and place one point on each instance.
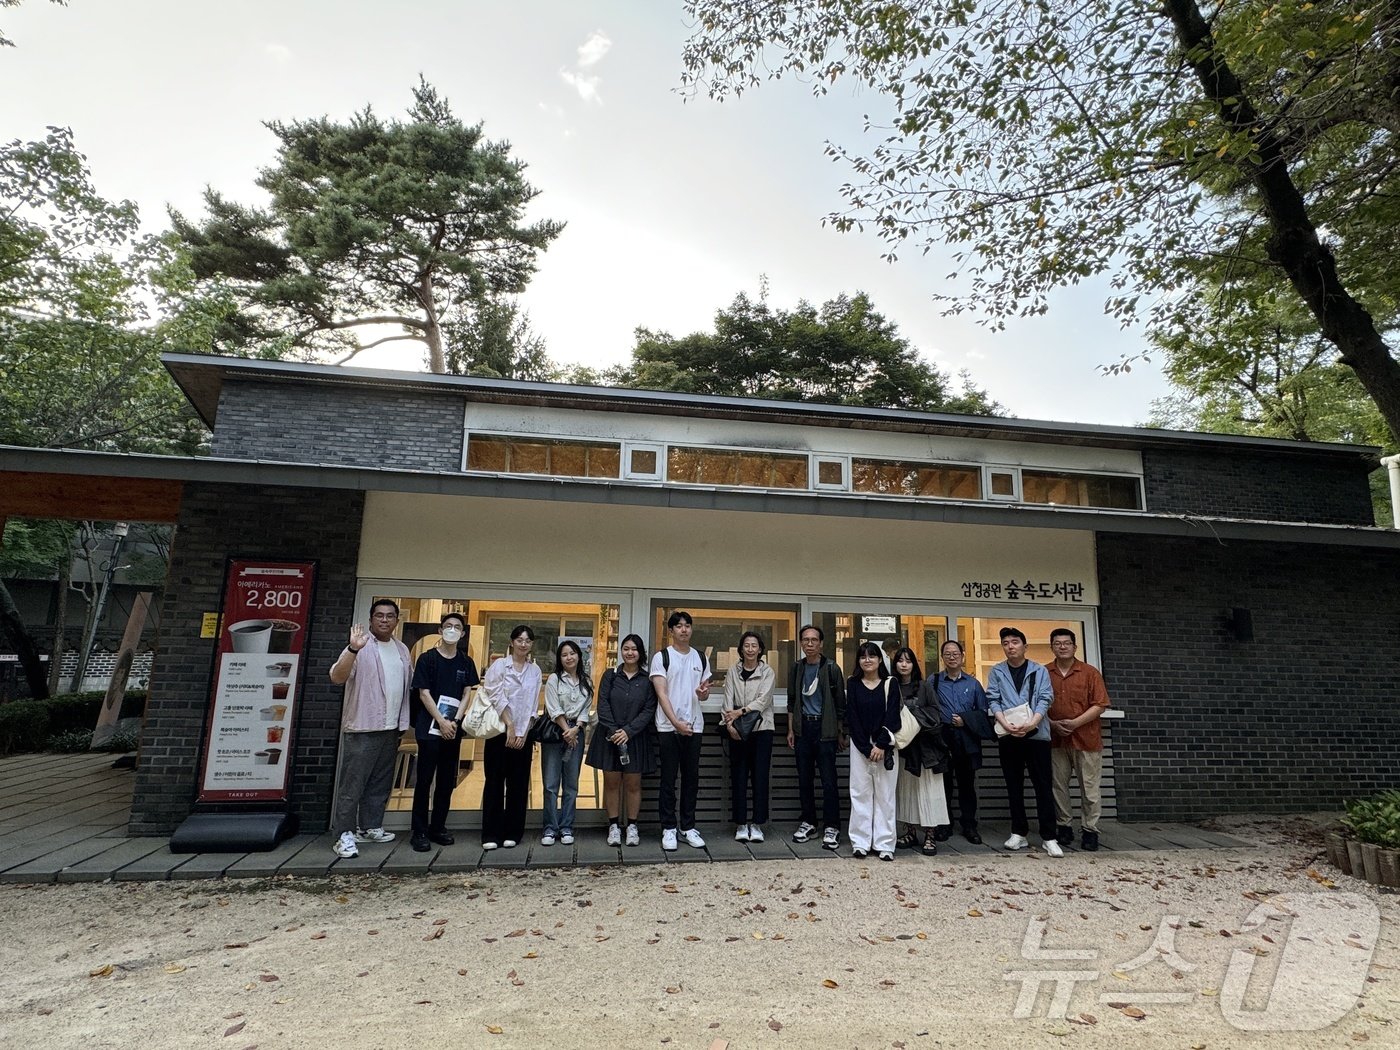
(829, 953)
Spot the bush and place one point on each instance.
(24, 726)
(71, 741)
(122, 741)
(1375, 819)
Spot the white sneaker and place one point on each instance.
(488, 845)
(345, 845)
(614, 835)
(547, 839)
(692, 838)
(1052, 848)
(374, 835)
(634, 837)
(741, 833)
(668, 839)
(509, 843)
(567, 838)
(755, 833)
(1017, 842)
(803, 832)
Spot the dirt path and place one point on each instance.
(822, 954)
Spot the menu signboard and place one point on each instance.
(257, 678)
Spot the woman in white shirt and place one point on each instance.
(514, 684)
(568, 699)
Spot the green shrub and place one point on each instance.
(70, 741)
(122, 741)
(24, 726)
(1375, 819)
(73, 711)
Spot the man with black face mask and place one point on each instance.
(442, 675)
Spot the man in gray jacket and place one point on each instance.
(816, 723)
(1019, 696)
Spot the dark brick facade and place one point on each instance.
(1260, 486)
(217, 521)
(340, 425)
(1304, 716)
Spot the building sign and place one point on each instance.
(209, 626)
(1029, 591)
(878, 625)
(256, 681)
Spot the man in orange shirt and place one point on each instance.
(1076, 737)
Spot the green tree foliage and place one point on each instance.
(373, 226)
(6, 41)
(844, 352)
(494, 338)
(1047, 142)
(79, 352)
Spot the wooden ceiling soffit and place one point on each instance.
(41, 494)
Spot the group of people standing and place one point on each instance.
(914, 742)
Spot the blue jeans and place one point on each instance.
(559, 767)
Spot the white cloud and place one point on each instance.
(279, 53)
(590, 53)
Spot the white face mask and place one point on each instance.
(451, 635)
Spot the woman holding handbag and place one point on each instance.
(746, 719)
(568, 698)
(872, 716)
(624, 743)
(513, 682)
(919, 799)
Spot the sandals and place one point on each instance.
(930, 846)
(909, 840)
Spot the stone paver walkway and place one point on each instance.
(63, 819)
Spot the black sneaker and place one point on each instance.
(442, 838)
(420, 843)
(1089, 841)
(943, 833)
(1064, 834)
(971, 835)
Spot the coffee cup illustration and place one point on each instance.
(274, 734)
(273, 713)
(280, 690)
(271, 757)
(279, 670)
(250, 636)
(284, 635)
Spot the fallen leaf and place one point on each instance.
(102, 971)
(673, 990)
(1088, 1019)
(691, 937)
(423, 1002)
(974, 914)
(461, 973)
(237, 944)
(363, 973)
(234, 1029)
(516, 933)
(670, 887)
(443, 922)
(1118, 1006)
(886, 983)
(342, 899)
(757, 936)
(1209, 991)
(319, 936)
(494, 1029)
(1121, 975)
(829, 983)
(777, 1026)
(174, 968)
(1134, 1013)
(921, 935)
(531, 954)
(268, 978)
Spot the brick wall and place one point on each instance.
(1260, 486)
(217, 521)
(304, 423)
(1304, 716)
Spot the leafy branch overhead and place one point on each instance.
(1046, 143)
(377, 231)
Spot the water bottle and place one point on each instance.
(623, 758)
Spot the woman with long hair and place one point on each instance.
(513, 681)
(748, 692)
(568, 698)
(919, 799)
(624, 743)
(872, 715)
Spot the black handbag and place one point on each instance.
(545, 731)
(746, 724)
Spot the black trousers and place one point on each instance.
(961, 776)
(750, 761)
(505, 792)
(815, 755)
(1019, 757)
(679, 754)
(438, 761)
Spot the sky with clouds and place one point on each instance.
(672, 205)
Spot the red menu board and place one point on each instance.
(257, 676)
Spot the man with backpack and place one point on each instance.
(816, 726)
(682, 681)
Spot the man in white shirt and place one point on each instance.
(681, 678)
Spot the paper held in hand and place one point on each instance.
(447, 707)
(1017, 716)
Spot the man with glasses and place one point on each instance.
(1076, 738)
(816, 725)
(375, 669)
(962, 704)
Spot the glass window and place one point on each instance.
(981, 639)
(717, 630)
(1080, 490)
(831, 473)
(717, 466)
(928, 480)
(1003, 484)
(565, 458)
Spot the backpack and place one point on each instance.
(666, 661)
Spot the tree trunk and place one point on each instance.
(65, 583)
(1294, 245)
(111, 711)
(437, 359)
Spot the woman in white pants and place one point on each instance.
(872, 716)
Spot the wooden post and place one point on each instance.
(106, 727)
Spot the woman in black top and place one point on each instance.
(872, 716)
(919, 798)
(623, 748)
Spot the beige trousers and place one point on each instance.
(1086, 767)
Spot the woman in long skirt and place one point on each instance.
(920, 802)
